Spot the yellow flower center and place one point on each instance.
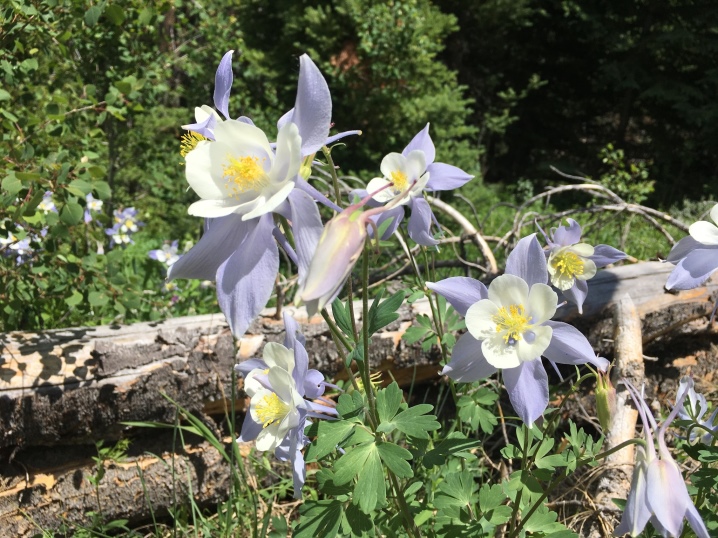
(399, 180)
(271, 409)
(244, 174)
(513, 321)
(568, 264)
(189, 141)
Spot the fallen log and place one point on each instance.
(60, 391)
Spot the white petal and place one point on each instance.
(199, 172)
(534, 343)
(509, 290)
(376, 184)
(589, 270)
(704, 232)
(542, 303)
(211, 209)
(415, 164)
(714, 213)
(267, 203)
(393, 162)
(243, 138)
(479, 319)
(582, 249)
(498, 354)
(288, 158)
(276, 355)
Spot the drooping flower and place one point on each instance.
(571, 263)
(278, 386)
(510, 329)
(415, 164)
(695, 256)
(338, 250)
(167, 254)
(658, 492)
(694, 409)
(92, 205)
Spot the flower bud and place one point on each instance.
(338, 249)
(605, 399)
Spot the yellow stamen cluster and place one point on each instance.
(400, 181)
(189, 141)
(243, 174)
(568, 264)
(513, 321)
(271, 409)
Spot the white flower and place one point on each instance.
(706, 232)
(569, 263)
(400, 171)
(510, 322)
(275, 408)
(239, 173)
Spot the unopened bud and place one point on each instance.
(605, 399)
(338, 249)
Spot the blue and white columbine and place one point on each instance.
(510, 329)
(695, 256)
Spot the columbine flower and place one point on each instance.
(694, 409)
(658, 492)
(571, 263)
(695, 256)
(277, 386)
(510, 329)
(22, 250)
(167, 254)
(47, 205)
(415, 164)
(92, 205)
(237, 174)
(126, 224)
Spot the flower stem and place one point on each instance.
(333, 171)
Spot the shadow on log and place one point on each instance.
(60, 391)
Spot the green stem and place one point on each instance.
(517, 502)
(409, 524)
(336, 331)
(333, 171)
(364, 366)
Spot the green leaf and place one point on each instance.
(97, 298)
(351, 406)
(457, 490)
(396, 459)
(11, 183)
(79, 187)
(452, 446)
(413, 422)
(115, 14)
(74, 299)
(145, 16)
(4, 95)
(102, 188)
(382, 314)
(388, 401)
(72, 213)
(92, 15)
(370, 490)
(351, 463)
(358, 523)
(341, 316)
(329, 435)
(319, 518)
